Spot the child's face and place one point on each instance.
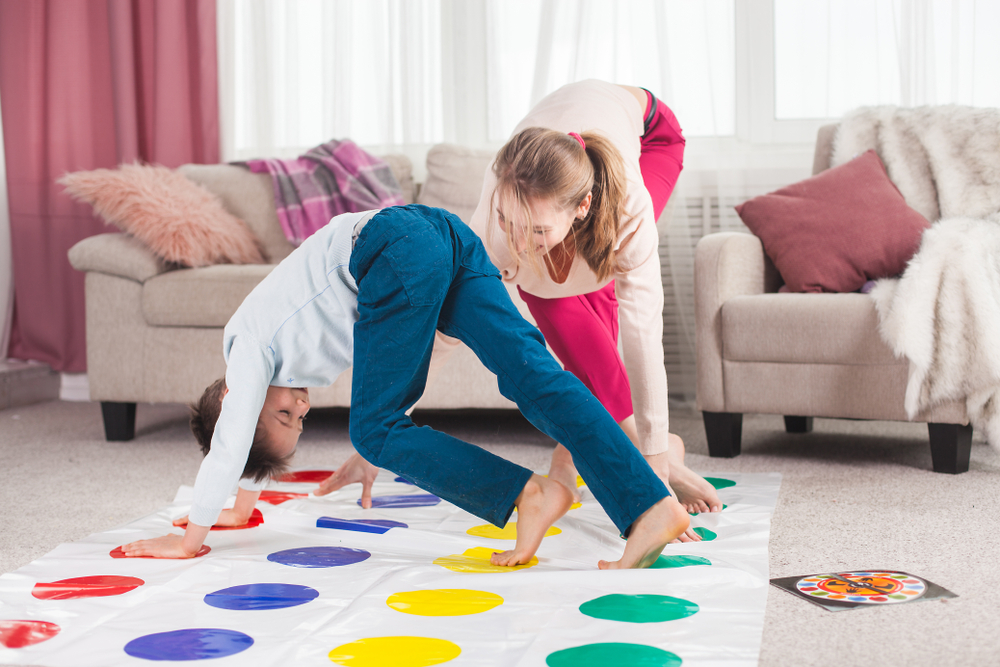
(550, 224)
(284, 411)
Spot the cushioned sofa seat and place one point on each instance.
(203, 297)
(804, 328)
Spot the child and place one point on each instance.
(374, 287)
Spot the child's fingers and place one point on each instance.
(183, 521)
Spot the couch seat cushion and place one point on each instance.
(203, 297)
(804, 328)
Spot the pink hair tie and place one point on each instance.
(576, 136)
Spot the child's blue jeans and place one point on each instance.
(419, 269)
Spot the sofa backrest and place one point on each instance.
(824, 148)
(250, 197)
(455, 178)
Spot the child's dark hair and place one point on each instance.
(261, 463)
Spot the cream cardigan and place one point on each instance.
(614, 112)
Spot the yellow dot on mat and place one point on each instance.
(395, 652)
(444, 602)
(576, 506)
(508, 532)
(477, 561)
(579, 481)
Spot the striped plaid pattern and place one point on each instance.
(333, 178)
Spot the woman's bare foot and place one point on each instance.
(563, 471)
(540, 504)
(660, 524)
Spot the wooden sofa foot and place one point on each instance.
(119, 420)
(724, 431)
(951, 445)
(798, 424)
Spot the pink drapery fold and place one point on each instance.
(89, 84)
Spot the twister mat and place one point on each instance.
(320, 581)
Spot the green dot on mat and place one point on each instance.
(720, 483)
(705, 534)
(678, 561)
(638, 608)
(612, 653)
(724, 506)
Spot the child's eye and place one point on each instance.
(285, 412)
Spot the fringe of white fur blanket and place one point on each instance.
(943, 313)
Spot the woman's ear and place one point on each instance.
(584, 208)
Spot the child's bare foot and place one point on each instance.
(692, 490)
(539, 505)
(563, 471)
(660, 524)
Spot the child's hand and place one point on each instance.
(354, 469)
(168, 546)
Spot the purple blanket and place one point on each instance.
(333, 178)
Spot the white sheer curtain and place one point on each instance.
(746, 78)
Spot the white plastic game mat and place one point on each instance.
(321, 581)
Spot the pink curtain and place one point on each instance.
(88, 84)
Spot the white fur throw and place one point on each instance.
(943, 313)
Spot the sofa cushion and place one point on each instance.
(178, 220)
(455, 178)
(203, 297)
(804, 328)
(838, 229)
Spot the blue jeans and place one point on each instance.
(419, 269)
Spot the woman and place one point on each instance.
(568, 214)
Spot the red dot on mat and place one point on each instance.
(86, 587)
(278, 497)
(18, 634)
(256, 518)
(312, 476)
(118, 553)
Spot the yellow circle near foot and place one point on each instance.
(508, 532)
(395, 652)
(444, 602)
(477, 561)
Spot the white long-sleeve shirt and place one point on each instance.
(295, 329)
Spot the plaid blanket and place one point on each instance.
(333, 178)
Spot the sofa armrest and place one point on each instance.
(726, 264)
(117, 255)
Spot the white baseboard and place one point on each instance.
(74, 387)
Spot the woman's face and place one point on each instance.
(549, 224)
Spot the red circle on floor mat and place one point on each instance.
(310, 476)
(256, 518)
(118, 553)
(86, 587)
(278, 497)
(18, 634)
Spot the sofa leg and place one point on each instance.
(798, 424)
(951, 445)
(723, 430)
(119, 420)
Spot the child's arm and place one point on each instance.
(187, 546)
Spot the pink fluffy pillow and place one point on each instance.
(176, 218)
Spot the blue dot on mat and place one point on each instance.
(409, 500)
(319, 556)
(378, 526)
(250, 597)
(403, 480)
(191, 644)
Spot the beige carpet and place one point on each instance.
(854, 495)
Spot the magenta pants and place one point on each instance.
(583, 330)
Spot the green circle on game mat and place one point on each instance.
(705, 534)
(638, 608)
(664, 562)
(720, 483)
(601, 655)
(724, 506)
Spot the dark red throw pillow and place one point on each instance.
(838, 229)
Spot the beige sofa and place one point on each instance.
(154, 332)
(798, 355)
